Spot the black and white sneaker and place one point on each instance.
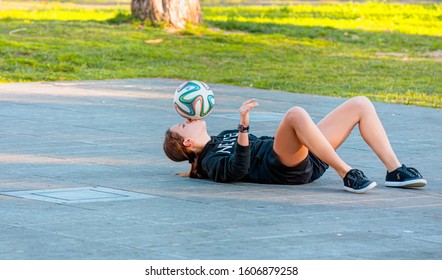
(405, 177)
(355, 181)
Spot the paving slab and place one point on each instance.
(83, 176)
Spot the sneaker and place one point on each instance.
(404, 177)
(355, 181)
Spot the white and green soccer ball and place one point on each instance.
(194, 100)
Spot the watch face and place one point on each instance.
(241, 128)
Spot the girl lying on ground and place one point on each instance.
(299, 153)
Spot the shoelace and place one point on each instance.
(413, 171)
(358, 174)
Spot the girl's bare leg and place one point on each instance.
(339, 123)
(297, 134)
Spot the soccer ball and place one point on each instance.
(194, 100)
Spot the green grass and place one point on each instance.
(388, 52)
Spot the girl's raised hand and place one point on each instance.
(245, 109)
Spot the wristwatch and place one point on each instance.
(243, 129)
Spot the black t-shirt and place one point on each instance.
(224, 160)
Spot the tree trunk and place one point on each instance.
(174, 12)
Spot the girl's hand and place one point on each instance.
(245, 109)
(183, 174)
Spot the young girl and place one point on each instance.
(299, 153)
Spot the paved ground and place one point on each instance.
(83, 176)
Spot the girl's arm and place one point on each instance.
(243, 137)
(233, 167)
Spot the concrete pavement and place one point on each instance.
(83, 176)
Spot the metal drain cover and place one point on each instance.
(78, 195)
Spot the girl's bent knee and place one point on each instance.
(361, 104)
(361, 100)
(296, 114)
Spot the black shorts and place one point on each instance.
(308, 170)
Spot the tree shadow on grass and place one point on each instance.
(122, 18)
(392, 41)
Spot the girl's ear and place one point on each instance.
(187, 142)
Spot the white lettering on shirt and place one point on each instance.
(228, 141)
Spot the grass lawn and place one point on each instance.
(388, 52)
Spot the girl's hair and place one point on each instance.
(175, 150)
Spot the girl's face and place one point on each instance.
(190, 129)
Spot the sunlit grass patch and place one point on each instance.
(407, 19)
(58, 11)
